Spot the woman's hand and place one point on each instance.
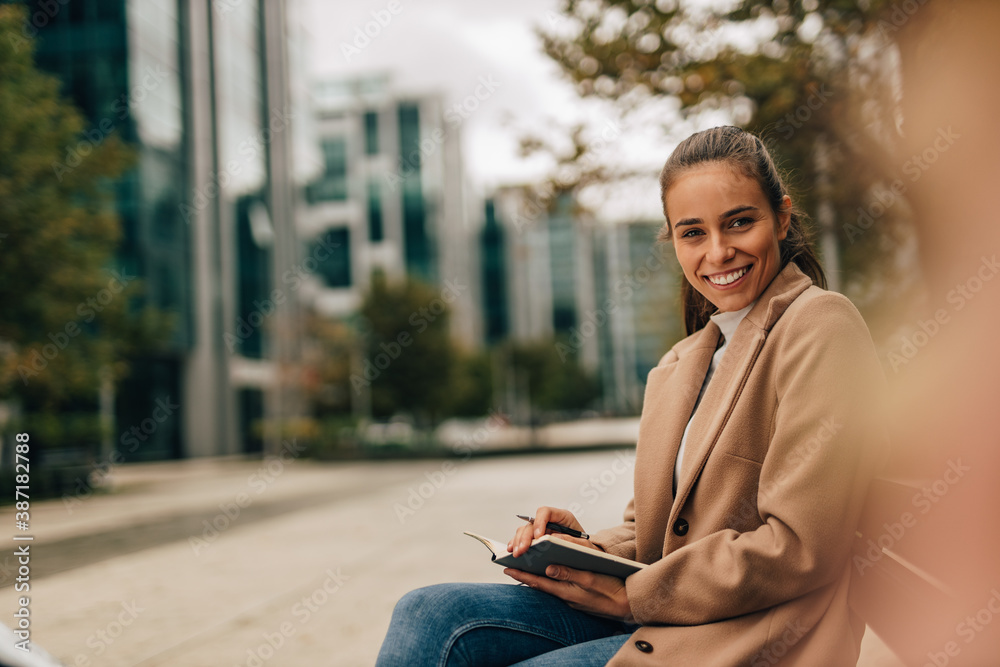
(543, 515)
(598, 594)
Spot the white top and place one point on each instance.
(727, 322)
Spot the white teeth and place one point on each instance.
(729, 277)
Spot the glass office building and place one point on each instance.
(123, 70)
(390, 197)
(206, 207)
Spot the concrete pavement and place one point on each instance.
(231, 562)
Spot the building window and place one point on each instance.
(333, 254)
(416, 242)
(333, 185)
(375, 230)
(494, 281)
(409, 137)
(371, 133)
(253, 279)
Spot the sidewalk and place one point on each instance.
(225, 562)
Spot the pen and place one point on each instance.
(572, 532)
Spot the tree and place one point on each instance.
(804, 75)
(473, 384)
(64, 304)
(554, 382)
(409, 360)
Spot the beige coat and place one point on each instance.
(750, 559)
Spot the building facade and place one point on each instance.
(606, 291)
(201, 92)
(391, 197)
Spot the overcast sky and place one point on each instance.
(450, 46)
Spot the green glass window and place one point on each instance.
(333, 184)
(371, 133)
(333, 254)
(375, 229)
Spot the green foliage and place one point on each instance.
(553, 383)
(70, 314)
(58, 233)
(409, 362)
(819, 71)
(472, 392)
(327, 369)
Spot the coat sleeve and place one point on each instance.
(620, 540)
(812, 484)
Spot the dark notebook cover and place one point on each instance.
(549, 550)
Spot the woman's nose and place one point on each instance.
(720, 250)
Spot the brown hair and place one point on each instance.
(746, 154)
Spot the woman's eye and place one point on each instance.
(742, 222)
(690, 232)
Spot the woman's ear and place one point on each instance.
(784, 217)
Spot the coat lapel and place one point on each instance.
(730, 376)
(671, 391)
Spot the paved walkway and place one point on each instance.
(230, 562)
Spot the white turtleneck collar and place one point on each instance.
(728, 322)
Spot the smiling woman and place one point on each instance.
(755, 452)
(731, 212)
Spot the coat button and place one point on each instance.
(681, 527)
(644, 646)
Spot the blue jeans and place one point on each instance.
(480, 625)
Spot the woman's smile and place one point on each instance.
(730, 279)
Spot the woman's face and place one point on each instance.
(725, 234)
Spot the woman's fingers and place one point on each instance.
(543, 516)
(522, 540)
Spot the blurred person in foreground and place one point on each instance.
(753, 460)
(941, 603)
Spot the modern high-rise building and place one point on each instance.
(391, 197)
(201, 91)
(606, 291)
(637, 292)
